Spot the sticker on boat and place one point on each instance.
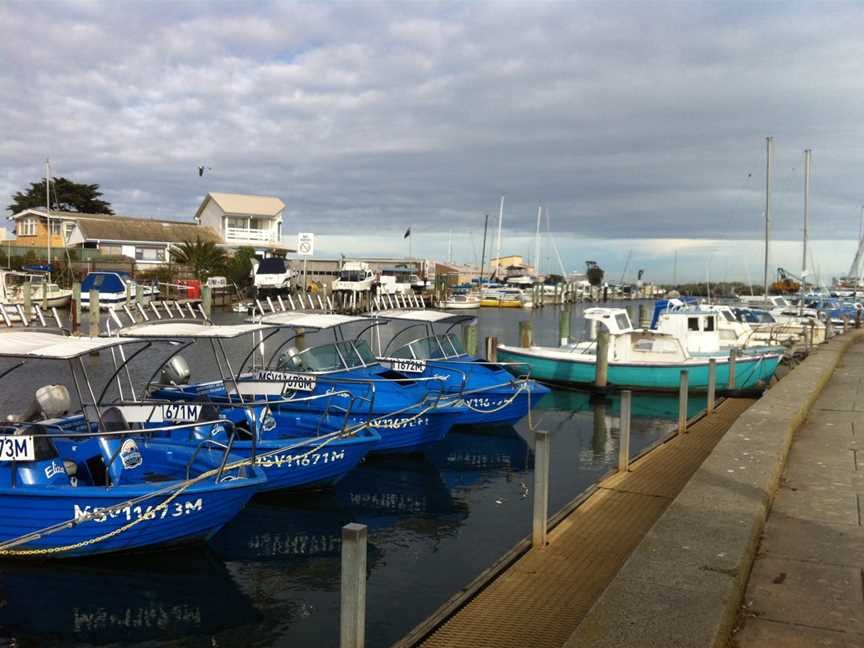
(409, 366)
(17, 448)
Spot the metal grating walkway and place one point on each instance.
(543, 596)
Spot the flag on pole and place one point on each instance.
(407, 233)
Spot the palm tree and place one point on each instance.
(202, 256)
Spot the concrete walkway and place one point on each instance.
(805, 588)
(542, 597)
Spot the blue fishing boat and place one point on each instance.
(292, 456)
(346, 383)
(487, 392)
(637, 358)
(112, 288)
(64, 494)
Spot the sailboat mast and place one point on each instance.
(806, 218)
(769, 143)
(537, 243)
(450, 247)
(48, 209)
(483, 253)
(498, 244)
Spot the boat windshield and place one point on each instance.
(352, 275)
(330, 357)
(434, 347)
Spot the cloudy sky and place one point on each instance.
(640, 125)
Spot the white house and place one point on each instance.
(243, 220)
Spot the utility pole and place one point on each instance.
(48, 209)
(769, 143)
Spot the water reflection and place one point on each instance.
(141, 597)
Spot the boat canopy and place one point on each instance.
(312, 321)
(669, 305)
(105, 282)
(426, 316)
(181, 330)
(52, 346)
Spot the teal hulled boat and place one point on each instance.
(639, 359)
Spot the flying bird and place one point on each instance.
(201, 170)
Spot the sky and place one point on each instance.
(639, 126)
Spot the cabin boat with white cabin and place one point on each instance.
(644, 359)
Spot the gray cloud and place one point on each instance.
(629, 120)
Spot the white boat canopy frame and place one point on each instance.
(188, 330)
(51, 346)
(426, 316)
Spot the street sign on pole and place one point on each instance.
(306, 243)
(305, 247)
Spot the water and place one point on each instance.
(271, 577)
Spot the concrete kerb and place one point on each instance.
(691, 570)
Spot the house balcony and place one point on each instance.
(244, 234)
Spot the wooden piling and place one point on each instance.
(352, 608)
(492, 349)
(76, 308)
(733, 359)
(28, 305)
(45, 296)
(683, 391)
(624, 432)
(207, 300)
(94, 313)
(712, 385)
(564, 318)
(540, 512)
(526, 333)
(469, 336)
(601, 371)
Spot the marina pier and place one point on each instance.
(663, 554)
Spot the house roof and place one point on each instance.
(243, 204)
(110, 227)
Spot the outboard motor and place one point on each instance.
(50, 401)
(290, 359)
(53, 401)
(175, 372)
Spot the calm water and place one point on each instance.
(271, 577)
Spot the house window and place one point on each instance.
(257, 224)
(149, 254)
(68, 229)
(55, 227)
(27, 227)
(239, 223)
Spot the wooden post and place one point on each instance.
(469, 335)
(845, 323)
(712, 385)
(601, 370)
(139, 295)
(352, 608)
(857, 318)
(525, 333)
(207, 300)
(624, 432)
(28, 305)
(492, 349)
(564, 325)
(128, 294)
(682, 402)
(94, 313)
(45, 296)
(541, 490)
(300, 338)
(733, 359)
(76, 308)
(644, 316)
